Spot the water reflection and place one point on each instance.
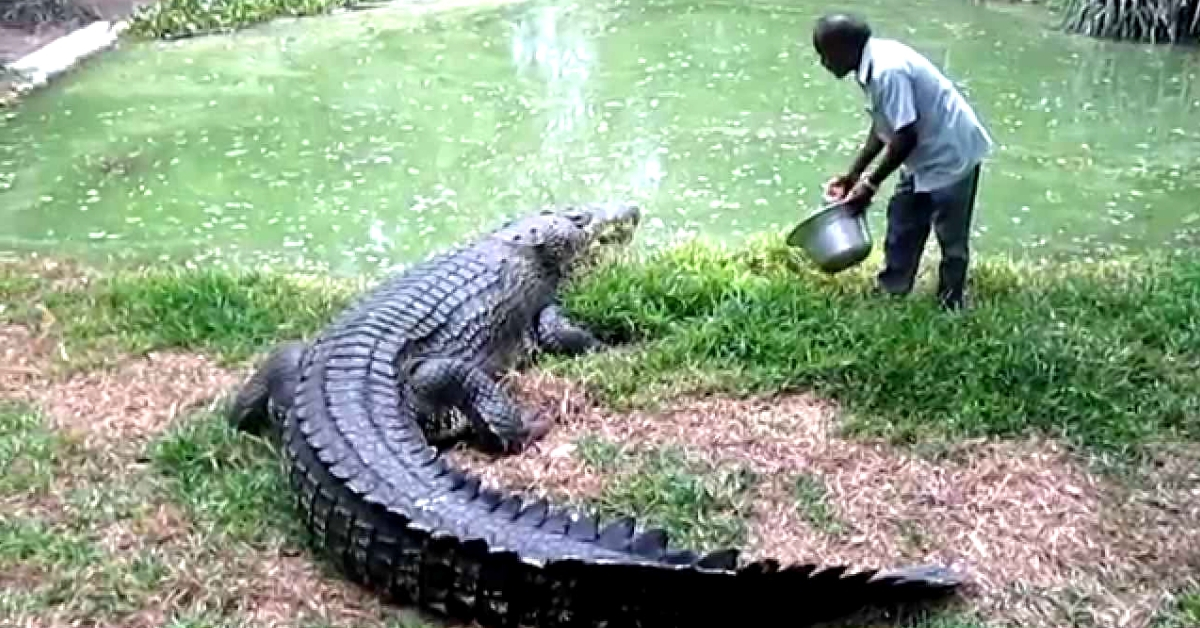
(554, 45)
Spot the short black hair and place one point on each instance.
(843, 28)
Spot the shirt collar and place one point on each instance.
(864, 66)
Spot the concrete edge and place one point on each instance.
(39, 67)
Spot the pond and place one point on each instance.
(372, 138)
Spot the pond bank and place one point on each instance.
(38, 45)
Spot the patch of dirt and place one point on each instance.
(24, 361)
(1029, 524)
(138, 397)
(279, 589)
(260, 588)
(135, 399)
(256, 587)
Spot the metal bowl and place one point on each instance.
(833, 237)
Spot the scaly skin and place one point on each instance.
(353, 407)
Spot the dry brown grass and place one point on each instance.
(1046, 541)
(111, 413)
(132, 400)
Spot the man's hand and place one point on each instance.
(855, 193)
(859, 196)
(837, 187)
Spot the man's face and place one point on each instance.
(835, 56)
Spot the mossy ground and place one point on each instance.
(175, 520)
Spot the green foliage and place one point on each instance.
(174, 19)
(28, 450)
(1154, 21)
(699, 505)
(1183, 612)
(812, 502)
(233, 314)
(34, 543)
(1104, 355)
(31, 14)
(225, 480)
(64, 570)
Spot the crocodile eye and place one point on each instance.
(580, 218)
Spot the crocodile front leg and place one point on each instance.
(500, 425)
(556, 333)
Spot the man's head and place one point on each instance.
(839, 39)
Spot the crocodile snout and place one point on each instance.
(614, 222)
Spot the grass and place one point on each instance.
(1106, 356)
(1184, 613)
(50, 552)
(812, 502)
(700, 506)
(175, 19)
(231, 484)
(231, 315)
(88, 536)
(28, 449)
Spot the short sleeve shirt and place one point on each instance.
(903, 88)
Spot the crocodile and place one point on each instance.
(364, 410)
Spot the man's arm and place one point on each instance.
(898, 106)
(870, 149)
(898, 149)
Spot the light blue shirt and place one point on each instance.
(902, 86)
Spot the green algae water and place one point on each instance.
(369, 139)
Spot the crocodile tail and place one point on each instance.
(272, 382)
(469, 580)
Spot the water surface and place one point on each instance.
(373, 138)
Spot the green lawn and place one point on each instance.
(1104, 357)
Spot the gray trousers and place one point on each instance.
(909, 217)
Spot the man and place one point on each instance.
(925, 125)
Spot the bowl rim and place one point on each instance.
(825, 211)
(802, 231)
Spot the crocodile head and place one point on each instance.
(565, 238)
